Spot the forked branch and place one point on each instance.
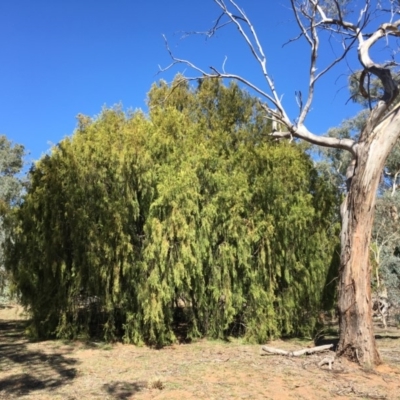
(214, 74)
(311, 17)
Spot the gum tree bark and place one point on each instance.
(370, 151)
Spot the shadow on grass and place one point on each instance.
(5, 306)
(387, 336)
(335, 341)
(26, 370)
(124, 390)
(323, 341)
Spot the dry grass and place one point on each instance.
(201, 370)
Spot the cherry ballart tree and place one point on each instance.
(369, 151)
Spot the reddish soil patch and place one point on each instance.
(201, 370)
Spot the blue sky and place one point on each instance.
(64, 57)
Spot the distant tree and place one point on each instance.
(189, 214)
(386, 232)
(385, 247)
(348, 23)
(11, 185)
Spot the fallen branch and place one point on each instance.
(298, 353)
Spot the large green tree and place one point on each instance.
(187, 215)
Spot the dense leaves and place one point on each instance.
(187, 218)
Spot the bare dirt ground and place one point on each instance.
(201, 370)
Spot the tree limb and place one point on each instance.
(297, 353)
(301, 132)
(311, 18)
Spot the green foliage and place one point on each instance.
(385, 247)
(333, 162)
(11, 163)
(11, 185)
(188, 216)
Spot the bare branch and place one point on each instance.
(299, 23)
(212, 30)
(390, 87)
(311, 18)
(223, 64)
(365, 45)
(339, 22)
(216, 74)
(297, 353)
(314, 44)
(235, 20)
(337, 60)
(299, 100)
(303, 133)
(312, 15)
(383, 73)
(256, 49)
(300, 35)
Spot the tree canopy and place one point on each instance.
(188, 217)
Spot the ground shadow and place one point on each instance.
(323, 341)
(123, 390)
(5, 306)
(24, 370)
(387, 336)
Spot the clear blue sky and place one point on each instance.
(64, 57)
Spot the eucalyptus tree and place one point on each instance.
(11, 185)
(385, 247)
(352, 24)
(386, 233)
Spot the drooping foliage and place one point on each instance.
(189, 216)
